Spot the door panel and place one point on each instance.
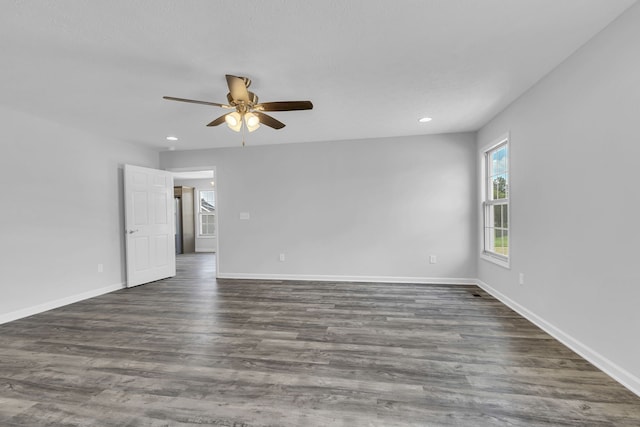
(150, 238)
(140, 213)
(141, 245)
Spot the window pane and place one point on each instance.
(497, 215)
(502, 159)
(502, 162)
(497, 165)
(207, 201)
(499, 187)
(207, 224)
(505, 243)
(493, 163)
(497, 242)
(505, 216)
(505, 185)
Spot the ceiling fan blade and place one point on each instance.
(268, 120)
(237, 88)
(285, 106)
(218, 121)
(193, 101)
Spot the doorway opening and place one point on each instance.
(196, 212)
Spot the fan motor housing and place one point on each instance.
(253, 99)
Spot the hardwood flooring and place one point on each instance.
(192, 351)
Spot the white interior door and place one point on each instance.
(149, 225)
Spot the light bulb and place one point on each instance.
(252, 121)
(234, 121)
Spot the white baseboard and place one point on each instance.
(616, 372)
(335, 278)
(40, 308)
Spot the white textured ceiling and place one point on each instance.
(371, 67)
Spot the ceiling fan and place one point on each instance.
(246, 108)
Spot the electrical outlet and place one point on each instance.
(100, 268)
(521, 279)
(433, 259)
(281, 257)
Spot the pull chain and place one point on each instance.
(243, 130)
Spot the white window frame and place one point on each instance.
(488, 203)
(201, 214)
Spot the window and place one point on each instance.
(496, 203)
(207, 213)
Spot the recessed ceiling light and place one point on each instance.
(172, 138)
(425, 119)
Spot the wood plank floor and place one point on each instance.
(192, 351)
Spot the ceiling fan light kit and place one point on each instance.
(248, 112)
(234, 121)
(251, 121)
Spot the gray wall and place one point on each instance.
(364, 210)
(575, 153)
(61, 213)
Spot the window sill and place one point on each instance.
(505, 263)
(206, 236)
